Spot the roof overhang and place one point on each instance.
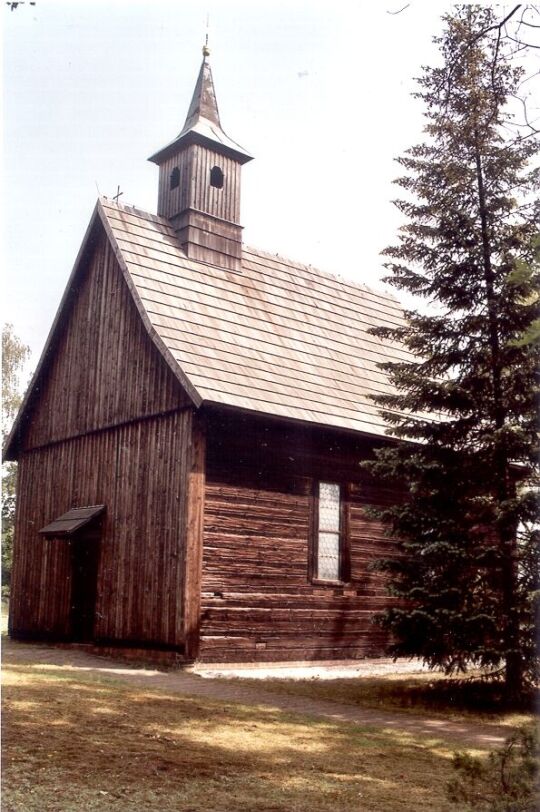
(216, 408)
(68, 523)
(224, 145)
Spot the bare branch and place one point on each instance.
(495, 58)
(523, 21)
(393, 13)
(525, 114)
(523, 44)
(528, 78)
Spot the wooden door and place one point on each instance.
(84, 561)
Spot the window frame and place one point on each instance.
(344, 535)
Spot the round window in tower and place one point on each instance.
(216, 177)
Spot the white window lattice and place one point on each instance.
(329, 527)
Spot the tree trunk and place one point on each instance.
(507, 531)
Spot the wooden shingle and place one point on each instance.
(68, 523)
(277, 337)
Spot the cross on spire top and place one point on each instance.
(206, 49)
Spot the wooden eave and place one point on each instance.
(214, 409)
(225, 147)
(72, 521)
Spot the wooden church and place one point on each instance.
(190, 447)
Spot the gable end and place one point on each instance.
(100, 366)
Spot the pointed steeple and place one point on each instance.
(203, 104)
(199, 181)
(202, 125)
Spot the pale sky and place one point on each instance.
(318, 92)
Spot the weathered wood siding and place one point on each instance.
(223, 203)
(194, 190)
(104, 369)
(172, 201)
(139, 471)
(258, 602)
(111, 426)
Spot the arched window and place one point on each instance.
(216, 177)
(175, 178)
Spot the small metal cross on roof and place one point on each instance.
(118, 194)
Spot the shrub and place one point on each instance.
(506, 782)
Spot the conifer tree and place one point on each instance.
(469, 250)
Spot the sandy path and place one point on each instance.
(191, 684)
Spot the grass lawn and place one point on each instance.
(75, 743)
(431, 692)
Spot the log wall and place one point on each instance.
(258, 600)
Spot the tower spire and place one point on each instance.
(202, 124)
(203, 102)
(199, 180)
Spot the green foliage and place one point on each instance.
(9, 480)
(465, 398)
(506, 782)
(14, 354)
(526, 275)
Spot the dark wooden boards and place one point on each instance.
(103, 368)
(193, 548)
(140, 472)
(112, 427)
(259, 602)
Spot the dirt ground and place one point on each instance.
(86, 734)
(78, 663)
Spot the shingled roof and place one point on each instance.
(279, 337)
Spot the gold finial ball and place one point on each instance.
(206, 50)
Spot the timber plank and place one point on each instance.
(258, 602)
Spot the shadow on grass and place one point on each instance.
(72, 744)
(469, 695)
(474, 699)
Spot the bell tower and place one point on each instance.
(199, 181)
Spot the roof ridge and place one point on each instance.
(316, 270)
(251, 249)
(130, 208)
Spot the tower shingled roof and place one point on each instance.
(202, 123)
(203, 102)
